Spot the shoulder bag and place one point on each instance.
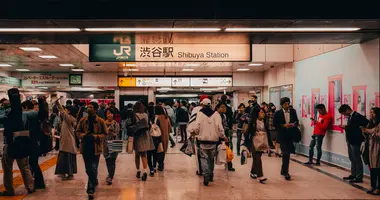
(139, 127)
(260, 141)
(155, 130)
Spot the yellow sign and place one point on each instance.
(126, 82)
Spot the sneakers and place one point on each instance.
(151, 173)
(262, 180)
(138, 174)
(91, 196)
(308, 163)
(109, 181)
(254, 176)
(206, 180)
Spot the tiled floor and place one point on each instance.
(179, 181)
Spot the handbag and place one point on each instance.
(160, 148)
(155, 130)
(139, 127)
(296, 134)
(130, 145)
(260, 141)
(115, 146)
(188, 147)
(244, 129)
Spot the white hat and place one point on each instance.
(206, 102)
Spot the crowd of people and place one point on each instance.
(91, 129)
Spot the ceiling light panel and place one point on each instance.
(5, 65)
(30, 48)
(291, 29)
(22, 70)
(47, 56)
(153, 29)
(66, 65)
(77, 70)
(30, 30)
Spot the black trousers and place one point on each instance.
(154, 157)
(182, 128)
(375, 178)
(111, 166)
(172, 142)
(316, 140)
(35, 167)
(91, 163)
(257, 165)
(287, 148)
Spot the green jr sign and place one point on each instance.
(112, 53)
(10, 81)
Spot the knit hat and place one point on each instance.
(203, 96)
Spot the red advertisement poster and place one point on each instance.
(304, 106)
(377, 99)
(315, 100)
(335, 101)
(360, 99)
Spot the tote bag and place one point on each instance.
(155, 130)
(115, 146)
(260, 141)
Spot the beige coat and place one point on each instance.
(165, 129)
(67, 140)
(374, 147)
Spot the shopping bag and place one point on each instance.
(130, 145)
(188, 147)
(221, 156)
(260, 141)
(244, 155)
(230, 154)
(115, 146)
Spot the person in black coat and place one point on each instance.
(354, 138)
(286, 123)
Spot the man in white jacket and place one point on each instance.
(209, 129)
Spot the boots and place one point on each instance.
(230, 168)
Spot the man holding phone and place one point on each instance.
(321, 125)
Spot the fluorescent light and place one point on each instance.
(5, 65)
(30, 48)
(47, 56)
(131, 70)
(291, 29)
(66, 65)
(187, 70)
(193, 65)
(129, 65)
(77, 70)
(45, 88)
(243, 69)
(153, 29)
(164, 89)
(177, 95)
(255, 64)
(22, 70)
(28, 30)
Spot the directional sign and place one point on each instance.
(180, 82)
(127, 82)
(153, 82)
(211, 82)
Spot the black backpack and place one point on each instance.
(20, 144)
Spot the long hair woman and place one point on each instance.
(142, 143)
(113, 129)
(373, 133)
(257, 126)
(67, 158)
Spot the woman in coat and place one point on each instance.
(141, 143)
(257, 125)
(373, 132)
(113, 129)
(67, 160)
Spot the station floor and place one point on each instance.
(179, 181)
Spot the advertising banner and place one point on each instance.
(45, 79)
(10, 81)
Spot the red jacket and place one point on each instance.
(323, 123)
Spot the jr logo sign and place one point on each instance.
(125, 51)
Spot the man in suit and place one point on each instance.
(354, 138)
(286, 122)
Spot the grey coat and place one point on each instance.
(374, 147)
(67, 139)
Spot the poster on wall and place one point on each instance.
(377, 99)
(347, 100)
(372, 104)
(315, 99)
(44, 79)
(335, 101)
(323, 100)
(360, 99)
(304, 106)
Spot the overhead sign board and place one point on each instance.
(180, 82)
(211, 82)
(10, 81)
(169, 52)
(126, 82)
(153, 82)
(45, 79)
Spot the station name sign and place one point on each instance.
(169, 52)
(175, 82)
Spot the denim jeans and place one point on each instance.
(207, 157)
(239, 134)
(316, 140)
(355, 157)
(91, 163)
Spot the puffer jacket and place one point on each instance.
(208, 125)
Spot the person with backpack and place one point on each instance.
(16, 143)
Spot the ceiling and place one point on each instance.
(370, 29)
(68, 54)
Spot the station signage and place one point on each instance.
(153, 82)
(175, 82)
(44, 79)
(180, 82)
(211, 82)
(169, 52)
(10, 81)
